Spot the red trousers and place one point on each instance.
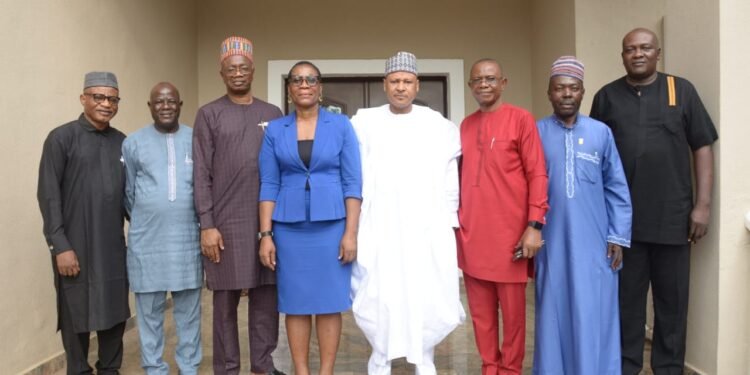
(484, 299)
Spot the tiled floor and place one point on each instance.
(457, 354)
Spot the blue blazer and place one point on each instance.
(335, 171)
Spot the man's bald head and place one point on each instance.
(165, 105)
(640, 55)
(487, 83)
(488, 60)
(641, 30)
(164, 85)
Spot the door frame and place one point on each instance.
(452, 69)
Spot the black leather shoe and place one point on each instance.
(276, 372)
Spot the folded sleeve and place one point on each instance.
(270, 172)
(49, 193)
(351, 164)
(203, 153)
(532, 158)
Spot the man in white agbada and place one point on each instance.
(405, 279)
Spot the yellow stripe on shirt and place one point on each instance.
(671, 91)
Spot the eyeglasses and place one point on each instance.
(490, 80)
(233, 70)
(100, 98)
(297, 80)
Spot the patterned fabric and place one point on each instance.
(236, 45)
(401, 62)
(567, 66)
(262, 327)
(98, 79)
(226, 142)
(171, 168)
(187, 316)
(163, 237)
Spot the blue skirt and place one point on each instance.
(309, 277)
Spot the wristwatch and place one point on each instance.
(536, 225)
(267, 233)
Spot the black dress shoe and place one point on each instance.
(276, 372)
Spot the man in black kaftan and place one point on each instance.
(80, 193)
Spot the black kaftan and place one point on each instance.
(80, 194)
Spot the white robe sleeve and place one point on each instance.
(451, 178)
(359, 123)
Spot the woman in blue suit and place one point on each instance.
(310, 196)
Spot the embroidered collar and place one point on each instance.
(560, 122)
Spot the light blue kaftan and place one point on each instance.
(164, 237)
(577, 314)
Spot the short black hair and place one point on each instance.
(300, 63)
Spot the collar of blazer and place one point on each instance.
(323, 132)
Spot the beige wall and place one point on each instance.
(553, 34)
(47, 47)
(734, 258)
(343, 29)
(681, 36)
(693, 34)
(54, 43)
(600, 26)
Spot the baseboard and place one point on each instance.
(49, 366)
(56, 362)
(689, 369)
(692, 370)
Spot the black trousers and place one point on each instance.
(77, 347)
(667, 269)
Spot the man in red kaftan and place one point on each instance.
(501, 214)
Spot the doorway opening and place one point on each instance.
(346, 95)
(367, 75)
